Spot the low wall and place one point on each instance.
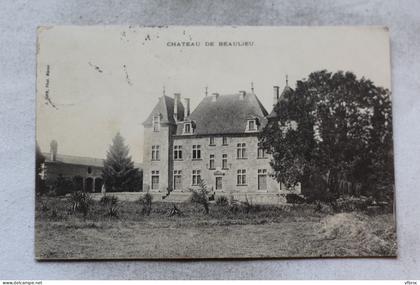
(126, 196)
(254, 198)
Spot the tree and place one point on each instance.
(332, 128)
(63, 185)
(119, 174)
(39, 161)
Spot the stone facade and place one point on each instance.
(230, 162)
(86, 178)
(228, 174)
(163, 139)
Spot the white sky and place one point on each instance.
(92, 106)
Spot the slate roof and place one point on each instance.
(165, 107)
(282, 97)
(228, 114)
(79, 160)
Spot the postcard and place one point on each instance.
(193, 142)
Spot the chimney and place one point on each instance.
(275, 95)
(187, 108)
(214, 97)
(242, 94)
(53, 150)
(177, 99)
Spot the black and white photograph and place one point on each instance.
(193, 142)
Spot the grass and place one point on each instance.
(246, 231)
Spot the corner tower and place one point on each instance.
(159, 127)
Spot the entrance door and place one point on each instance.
(177, 182)
(262, 182)
(218, 183)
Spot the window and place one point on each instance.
(261, 153)
(187, 128)
(241, 150)
(155, 152)
(89, 170)
(196, 152)
(224, 161)
(177, 179)
(211, 161)
(251, 125)
(156, 123)
(196, 177)
(155, 179)
(212, 141)
(262, 179)
(241, 177)
(178, 152)
(224, 141)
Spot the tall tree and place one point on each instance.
(335, 127)
(119, 174)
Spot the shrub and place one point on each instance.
(54, 214)
(234, 205)
(248, 207)
(201, 196)
(146, 202)
(81, 202)
(222, 201)
(175, 211)
(292, 198)
(321, 195)
(321, 207)
(350, 204)
(62, 186)
(44, 207)
(111, 205)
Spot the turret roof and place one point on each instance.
(165, 107)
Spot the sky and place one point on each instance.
(95, 81)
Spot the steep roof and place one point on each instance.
(282, 98)
(227, 114)
(79, 160)
(165, 107)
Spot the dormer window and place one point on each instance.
(251, 125)
(156, 123)
(187, 128)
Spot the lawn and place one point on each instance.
(253, 231)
